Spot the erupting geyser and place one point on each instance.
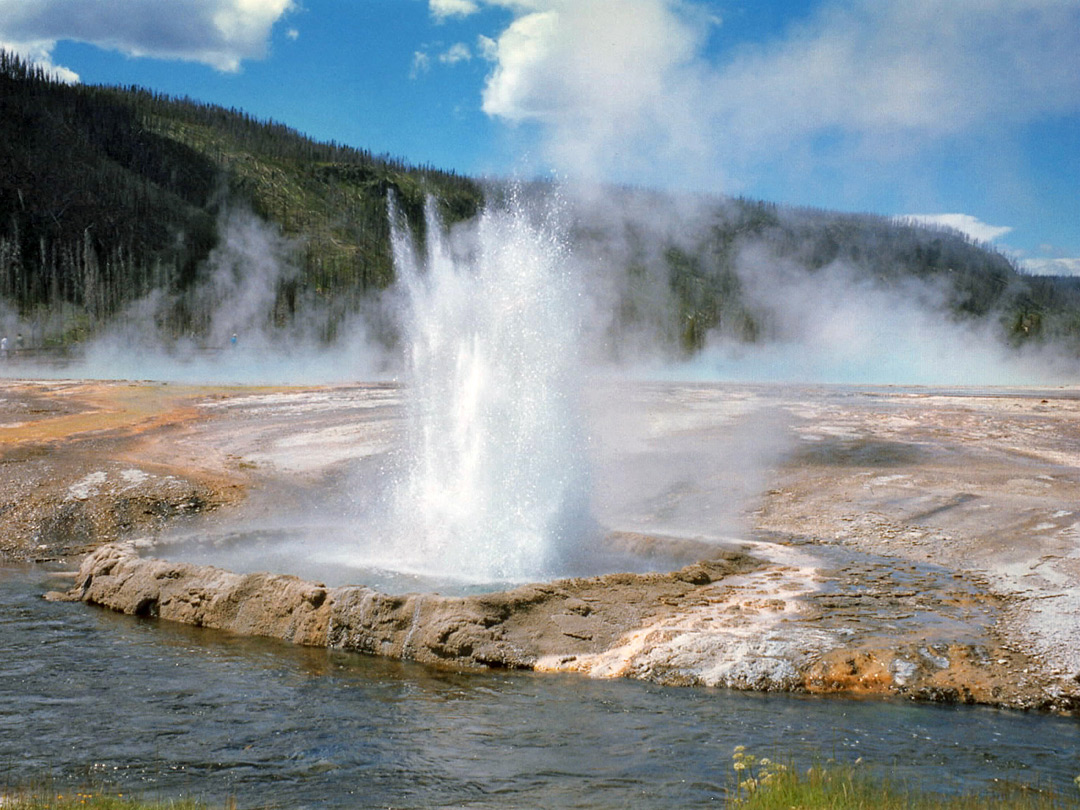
(494, 481)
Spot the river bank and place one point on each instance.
(167, 711)
(893, 542)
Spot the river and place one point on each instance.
(92, 698)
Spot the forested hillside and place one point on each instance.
(108, 194)
(111, 198)
(745, 240)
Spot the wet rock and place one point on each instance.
(665, 628)
(75, 472)
(513, 629)
(253, 604)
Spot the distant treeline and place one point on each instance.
(974, 281)
(107, 194)
(111, 195)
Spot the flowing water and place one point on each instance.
(91, 698)
(493, 486)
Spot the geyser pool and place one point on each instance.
(479, 474)
(492, 483)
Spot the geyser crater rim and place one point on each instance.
(617, 552)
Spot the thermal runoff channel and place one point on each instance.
(494, 482)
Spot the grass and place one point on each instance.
(42, 798)
(761, 784)
(758, 784)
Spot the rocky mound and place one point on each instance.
(705, 624)
(512, 629)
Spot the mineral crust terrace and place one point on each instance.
(890, 542)
(718, 622)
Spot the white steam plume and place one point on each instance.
(494, 485)
(609, 82)
(632, 91)
(839, 325)
(237, 297)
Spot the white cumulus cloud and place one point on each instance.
(615, 84)
(965, 223)
(219, 33)
(458, 52)
(608, 81)
(441, 9)
(1051, 267)
(421, 63)
(487, 48)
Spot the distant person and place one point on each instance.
(18, 343)
(232, 340)
(3, 348)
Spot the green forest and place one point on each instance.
(113, 196)
(107, 194)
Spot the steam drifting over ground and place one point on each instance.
(841, 323)
(516, 449)
(837, 326)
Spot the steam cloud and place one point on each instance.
(238, 295)
(836, 325)
(839, 326)
(632, 91)
(638, 91)
(609, 84)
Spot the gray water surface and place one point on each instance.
(91, 697)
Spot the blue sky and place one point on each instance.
(964, 108)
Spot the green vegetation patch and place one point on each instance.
(760, 783)
(42, 798)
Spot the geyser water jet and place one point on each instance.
(494, 482)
